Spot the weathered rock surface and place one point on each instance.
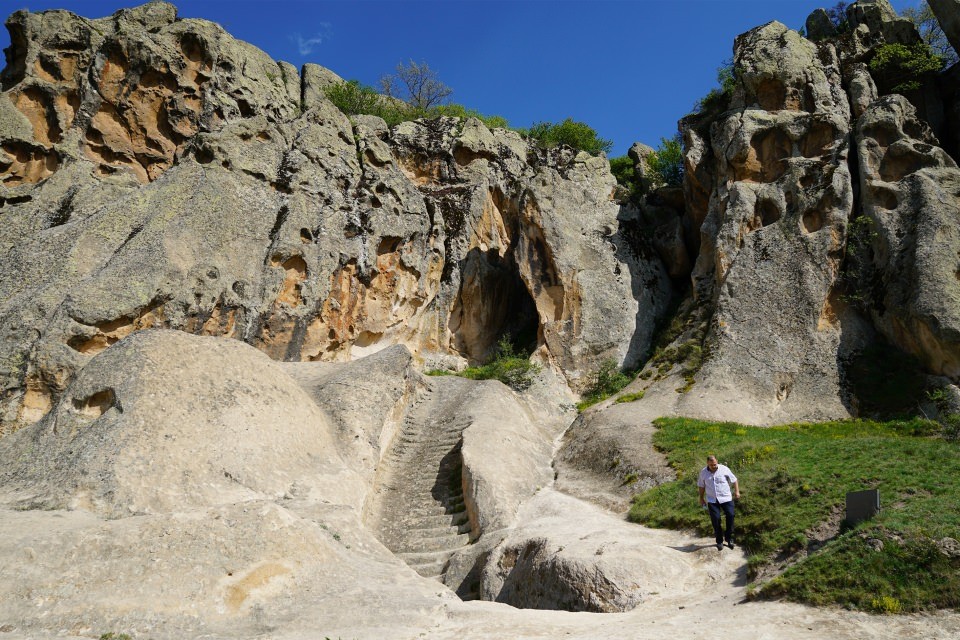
(591, 561)
(773, 236)
(365, 399)
(911, 200)
(607, 455)
(130, 437)
(772, 188)
(162, 174)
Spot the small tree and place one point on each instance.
(719, 98)
(578, 135)
(931, 32)
(417, 85)
(898, 67)
(666, 163)
(838, 16)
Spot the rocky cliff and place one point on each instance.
(159, 173)
(824, 211)
(218, 294)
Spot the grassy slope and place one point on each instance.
(795, 476)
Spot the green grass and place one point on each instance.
(509, 367)
(630, 397)
(793, 477)
(607, 380)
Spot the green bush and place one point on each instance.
(623, 170)
(608, 380)
(898, 67)
(574, 134)
(512, 369)
(666, 163)
(718, 99)
(354, 99)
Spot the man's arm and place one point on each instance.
(701, 490)
(736, 489)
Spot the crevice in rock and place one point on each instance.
(61, 215)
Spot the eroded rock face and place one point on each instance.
(773, 234)
(910, 189)
(773, 187)
(128, 91)
(163, 174)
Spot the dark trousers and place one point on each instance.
(716, 511)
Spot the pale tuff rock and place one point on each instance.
(779, 69)
(129, 437)
(911, 198)
(819, 26)
(365, 400)
(863, 90)
(591, 560)
(876, 22)
(316, 80)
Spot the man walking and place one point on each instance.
(715, 484)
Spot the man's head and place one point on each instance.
(712, 463)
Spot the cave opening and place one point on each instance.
(493, 303)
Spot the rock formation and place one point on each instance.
(774, 184)
(218, 294)
(160, 173)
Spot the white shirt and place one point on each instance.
(717, 484)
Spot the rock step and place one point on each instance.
(421, 513)
(420, 544)
(439, 531)
(428, 565)
(424, 509)
(420, 530)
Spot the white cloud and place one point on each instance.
(307, 45)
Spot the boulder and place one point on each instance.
(140, 430)
(590, 561)
(819, 26)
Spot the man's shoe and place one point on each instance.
(730, 544)
(719, 546)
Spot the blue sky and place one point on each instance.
(629, 68)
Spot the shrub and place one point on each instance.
(512, 369)
(931, 32)
(666, 163)
(899, 67)
(608, 380)
(574, 134)
(718, 99)
(354, 99)
(623, 170)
